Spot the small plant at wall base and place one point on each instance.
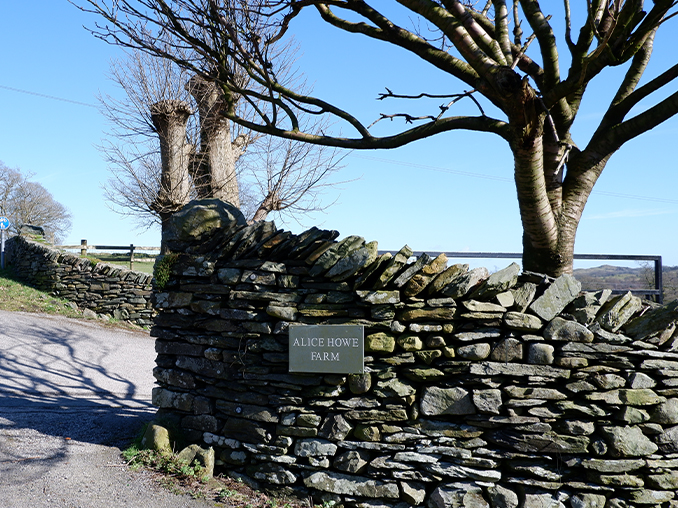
(163, 270)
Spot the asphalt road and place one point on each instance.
(72, 394)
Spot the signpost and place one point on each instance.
(4, 225)
(332, 349)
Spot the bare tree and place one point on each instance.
(537, 93)
(25, 202)
(203, 156)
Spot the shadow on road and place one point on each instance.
(66, 383)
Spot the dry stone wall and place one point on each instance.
(98, 288)
(480, 390)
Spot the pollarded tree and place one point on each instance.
(536, 91)
(169, 143)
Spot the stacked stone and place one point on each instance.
(479, 390)
(98, 288)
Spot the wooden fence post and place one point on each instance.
(83, 248)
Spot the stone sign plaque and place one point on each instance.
(332, 349)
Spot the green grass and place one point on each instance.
(16, 296)
(142, 262)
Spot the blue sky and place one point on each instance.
(453, 192)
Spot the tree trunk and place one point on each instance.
(169, 118)
(551, 205)
(213, 169)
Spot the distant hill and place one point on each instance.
(624, 277)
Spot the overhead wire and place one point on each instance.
(500, 178)
(427, 167)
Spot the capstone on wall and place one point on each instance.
(101, 288)
(480, 390)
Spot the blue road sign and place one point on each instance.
(4, 223)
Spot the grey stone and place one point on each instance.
(308, 420)
(478, 351)
(410, 342)
(505, 299)
(463, 472)
(628, 442)
(542, 501)
(334, 253)
(351, 264)
(411, 270)
(569, 331)
(360, 383)
(457, 495)
(507, 350)
(501, 497)
(352, 461)
(556, 297)
(476, 306)
(444, 278)
(540, 354)
(314, 448)
(336, 483)
(640, 380)
(380, 342)
(204, 457)
(498, 282)
(651, 497)
(524, 295)
(578, 427)
(516, 369)
(335, 428)
(535, 393)
(665, 481)
(156, 438)
(666, 413)
(585, 307)
(478, 335)
(632, 415)
(613, 466)
(487, 401)
(522, 322)
(462, 284)
(394, 388)
(668, 440)
(284, 313)
(274, 474)
(379, 297)
(631, 397)
(202, 217)
(546, 442)
(617, 311)
(609, 381)
(393, 266)
(652, 321)
(438, 401)
(413, 493)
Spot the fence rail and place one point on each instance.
(84, 247)
(657, 292)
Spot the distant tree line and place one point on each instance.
(23, 202)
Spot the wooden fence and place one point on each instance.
(131, 248)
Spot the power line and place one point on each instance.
(503, 179)
(52, 97)
(389, 161)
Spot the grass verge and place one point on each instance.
(16, 296)
(178, 477)
(187, 479)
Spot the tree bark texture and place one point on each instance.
(169, 118)
(214, 167)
